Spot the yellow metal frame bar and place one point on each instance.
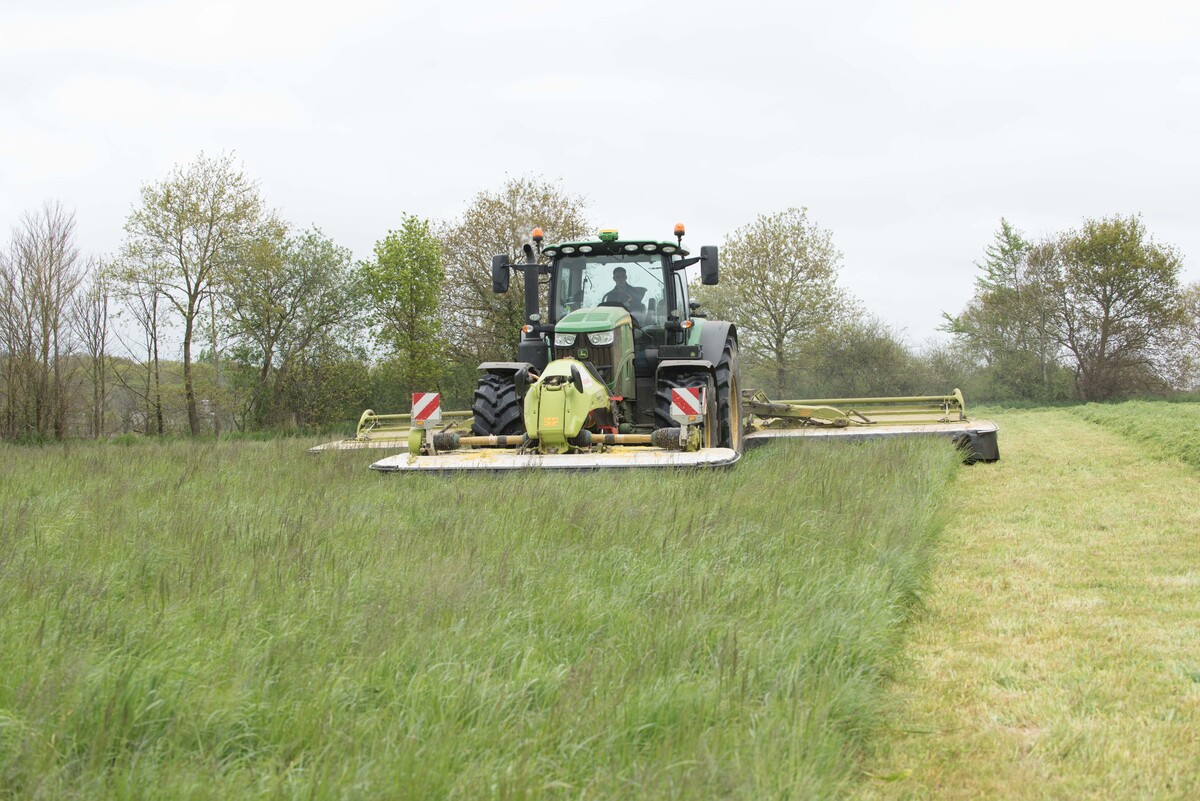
(841, 412)
(372, 426)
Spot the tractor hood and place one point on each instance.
(583, 321)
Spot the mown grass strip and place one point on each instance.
(244, 620)
(1060, 656)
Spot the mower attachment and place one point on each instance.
(871, 418)
(498, 460)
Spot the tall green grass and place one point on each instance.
(239, 619)
(1166, 428)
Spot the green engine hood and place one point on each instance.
(585, 321)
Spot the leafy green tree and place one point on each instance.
(950, 365)
(1037, 304)
(1009, 322)
(328, 385)
(860, 357)
(1187, 375)
(403, 283)
(993, 322)
(188, 230)
(1118, 306)
(482, 325)
(1009, 325)
(288, 297)
(779, 284)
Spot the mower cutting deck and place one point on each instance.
(432, 447)
(618, 457)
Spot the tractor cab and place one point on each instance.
(612, 303)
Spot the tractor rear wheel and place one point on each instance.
(729, 397)
(662, 404)
(497, 408)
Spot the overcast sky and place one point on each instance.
(907, 129)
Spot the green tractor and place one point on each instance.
(598, 366)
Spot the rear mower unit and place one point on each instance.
(623, 370)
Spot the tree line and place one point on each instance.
(216, 314)
(1094, 313)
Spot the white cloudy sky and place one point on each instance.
(908, 129)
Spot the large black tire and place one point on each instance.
(662, 403)
(729, 397)
(497, 408)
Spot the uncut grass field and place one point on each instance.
(243, 620)
(1170, 430)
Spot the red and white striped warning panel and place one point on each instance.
(688, 404)
(426, 409)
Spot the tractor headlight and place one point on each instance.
(563, 340)
(601, 338)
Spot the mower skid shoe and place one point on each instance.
(617, 458)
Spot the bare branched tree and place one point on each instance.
(137, 286)
(40, 275)
(779, 282)
(481, 325)
(90, 321)
(16, 346)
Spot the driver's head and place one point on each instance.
(619, 275)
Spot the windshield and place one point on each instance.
(634, 281)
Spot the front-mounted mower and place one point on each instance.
(621, 369)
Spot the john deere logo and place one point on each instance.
(582, 353)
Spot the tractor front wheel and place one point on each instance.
(729, 397)
(497, 408)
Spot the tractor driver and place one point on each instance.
(628, 296)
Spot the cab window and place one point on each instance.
(585, 282)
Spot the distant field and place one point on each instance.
(1166, 429)
(226, 620)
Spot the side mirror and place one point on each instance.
(500, 273)
(708, 265)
